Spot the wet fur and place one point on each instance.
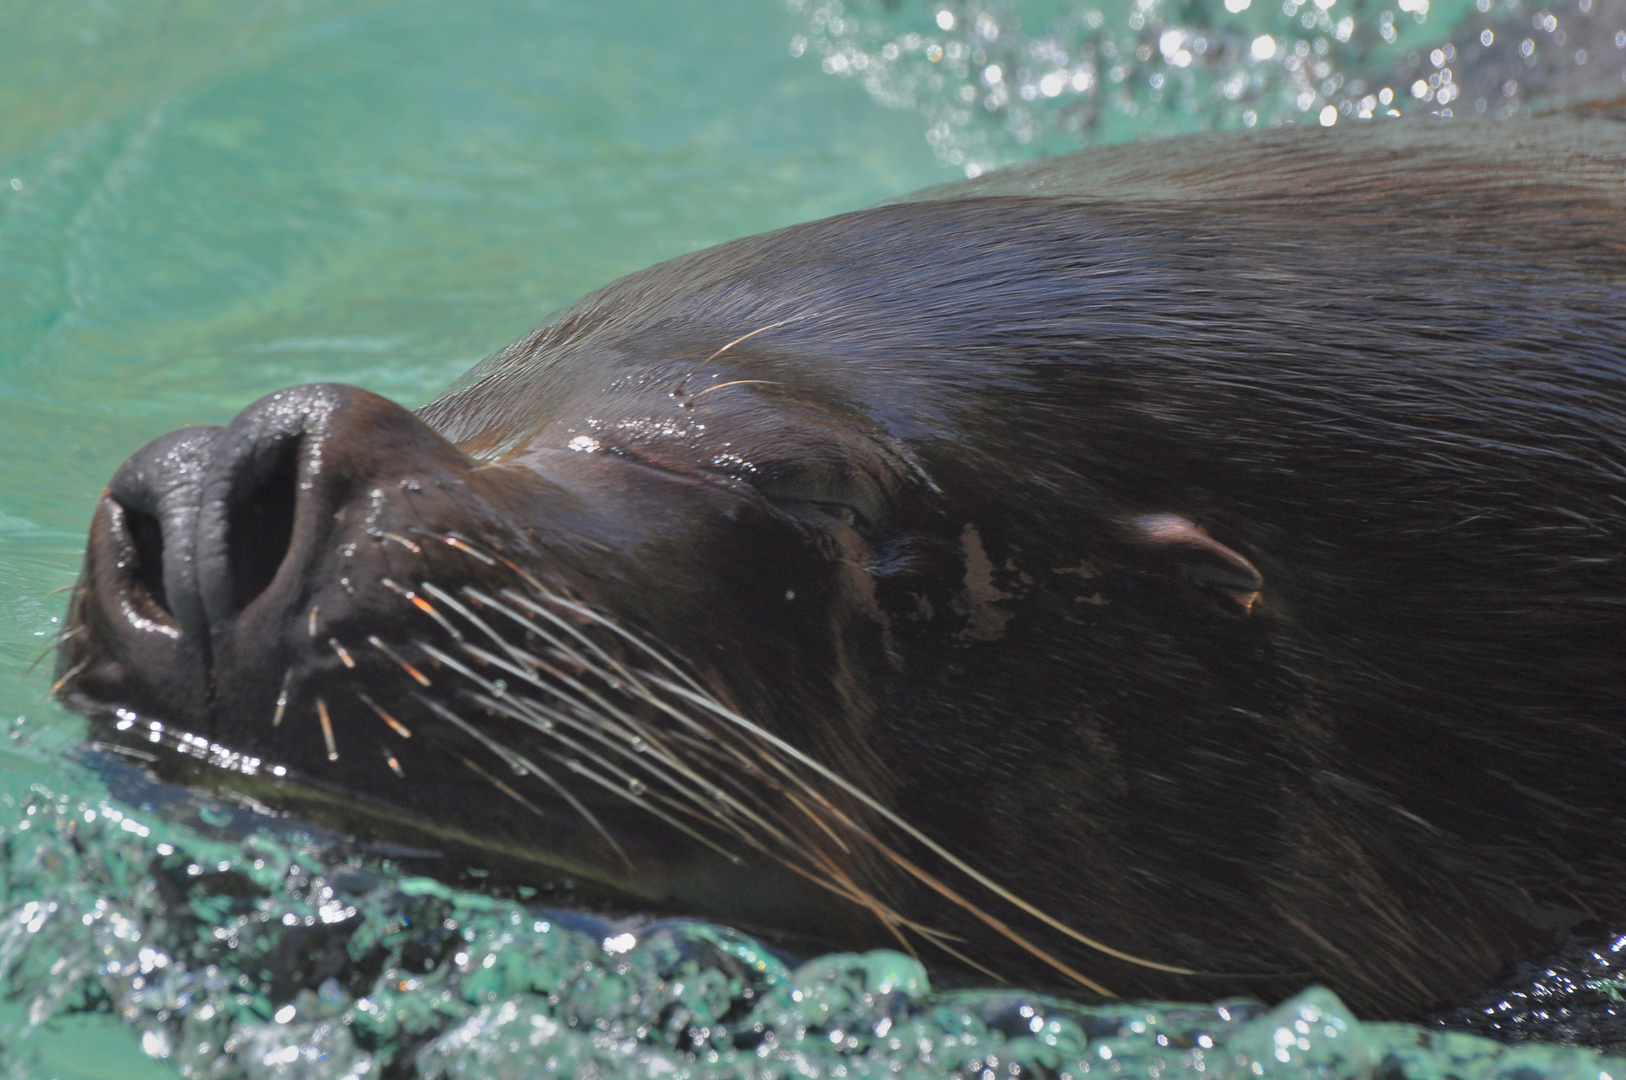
(1385, 367)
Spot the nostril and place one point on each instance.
(260, 526)
(147, 537)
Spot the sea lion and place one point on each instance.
(1177, 570)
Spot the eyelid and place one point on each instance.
(826, 492)
(848, 514)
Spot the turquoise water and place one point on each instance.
(201, 202)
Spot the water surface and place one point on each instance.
(202, 202)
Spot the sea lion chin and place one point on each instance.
(1180, 570)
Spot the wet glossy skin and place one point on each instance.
(1265, 632)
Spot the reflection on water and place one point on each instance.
(989, 83)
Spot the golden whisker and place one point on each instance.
(816, 819)
(588, 643)
(67, 677)
(404, 542)
(422, 605)
(995, 924)
(609, 624)
(867, 899)
(780, 754)
(417, 676)
(395, 725)
(465, 547)
(311, 622)
(734, 382)
(633, 684)
(395, 766)
(327, 730)
(937, 849)
(282, 698)
(935, 939)
(637, 729)
(677, 391)
(344, 655)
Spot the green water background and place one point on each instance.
(202, 202)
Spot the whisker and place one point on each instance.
(631, 684)
(395, 766)
(311, 621)
(997, 925)
(677, 391)
(630, 796)
(775, 752)
(404, 542)
(625, 675)
(526, 765)
(743, 775)
(588, 613)
(395, 725)
(344, 656)
(636, 730)
(789, 751)
(422, 605)
(866, 899)
(453, 540)
(59, 590)
(282, 698)
(56, 643)
(417, 676)
(817, 820)
(515, 708)
(843, 886)
(936, 940)
(502, 787)
(711, 791)
(633, 730)
(733, 382)
(327, 730)
(549, 715)
(595, 731)
(67, 677)
(34, 663)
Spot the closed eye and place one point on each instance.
(851, 503)
(845, 514)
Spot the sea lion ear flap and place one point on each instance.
(1201, 559)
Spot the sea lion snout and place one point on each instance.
(157, 492)
(208, 535)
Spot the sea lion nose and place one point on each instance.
(251, 493)
(158, 488)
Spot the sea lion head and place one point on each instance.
(1103, 588)
(524, 626)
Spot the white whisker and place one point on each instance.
(513, 759)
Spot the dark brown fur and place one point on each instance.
(1218, 544)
